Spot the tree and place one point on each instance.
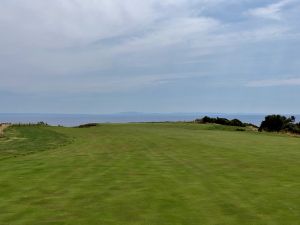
(277, 123)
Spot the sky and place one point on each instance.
(109, 56)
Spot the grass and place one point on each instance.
(144, 174)
(23, 140)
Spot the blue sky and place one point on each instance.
(100, 56)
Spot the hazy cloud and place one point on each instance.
(275, 82)
(118, 46)
(272, 11)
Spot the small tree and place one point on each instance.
(276, 123)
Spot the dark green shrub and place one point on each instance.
(276, 123)
(237, 123)
(87, 125)
(221, 121)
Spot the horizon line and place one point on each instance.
(160, 113)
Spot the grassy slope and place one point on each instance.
(23, 140)
(153, 174)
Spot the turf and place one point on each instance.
(23, 140)
(144, 174)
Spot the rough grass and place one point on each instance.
(150, 174)
(23, 140)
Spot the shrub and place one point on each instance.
(221, 121)
(276, 123)
(87, 125)
(237, 123)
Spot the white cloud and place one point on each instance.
(272, 11)
(38, 30)
(91, 84)
(274, 82)
(57, 23)
(43, 40)
(169, 33)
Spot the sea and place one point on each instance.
(70, 120)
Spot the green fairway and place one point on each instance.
(148, 174)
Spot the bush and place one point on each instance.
(277, 123)
(87, 125)
(41, 123)
(237, 123)
(221, 121)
